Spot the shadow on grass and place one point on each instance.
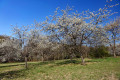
(20, 73)
(65, 62)
(10, 65)
(75, 62)
(43, 63)
(69, 62)
(12, 74)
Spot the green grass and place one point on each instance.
(95, 69)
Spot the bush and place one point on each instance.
(99, 52)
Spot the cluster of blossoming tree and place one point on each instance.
(67, 34)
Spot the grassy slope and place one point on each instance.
(96, 69)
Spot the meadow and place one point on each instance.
(95, 69)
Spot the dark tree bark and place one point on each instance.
(82, 58)
(114, 49)
(42, 57)
(26, 65)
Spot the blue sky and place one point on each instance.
(24, 12)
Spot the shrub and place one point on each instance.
(99, 52)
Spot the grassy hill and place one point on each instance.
(95, 69)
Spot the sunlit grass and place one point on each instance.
(95, 69)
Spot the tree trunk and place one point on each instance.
(42, 57)
(58, 56)
(62, 56)
(53, 56)
(82, 58)
(81, 55)
(71, 57)
(26, 65)
(114, 49)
